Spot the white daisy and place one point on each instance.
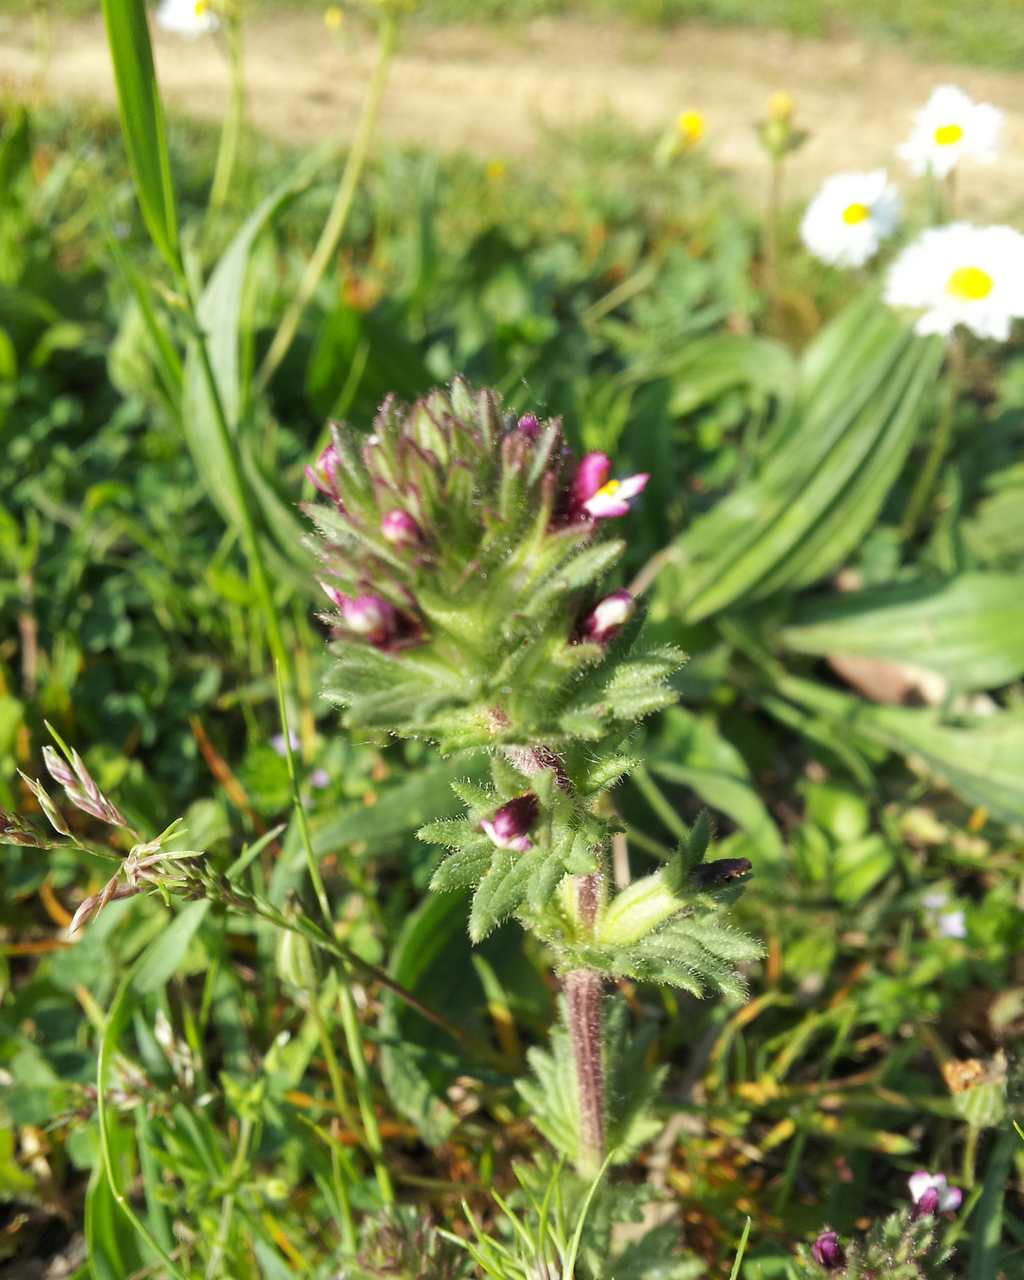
(949, 128)
(850, 217)
(190, 18)
(961, 274)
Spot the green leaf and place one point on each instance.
(692, 753)
(142, 121)
(163, 955)
(979, 757)
(432, 959)
(969, 629)
(220, 315)
(987, 1222)
(826, 473)
(112, 1245)
(502, 890)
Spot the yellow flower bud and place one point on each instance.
(780, 107)
(496, 171)
(691, 127)
(333, 17)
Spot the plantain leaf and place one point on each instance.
(969, 629)
(827, 470)
(981, 758)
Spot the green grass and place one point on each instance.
(628, 297)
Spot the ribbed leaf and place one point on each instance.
(142, 120)
(826, 474)
(969, 629)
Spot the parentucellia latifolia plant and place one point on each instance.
(465, 556)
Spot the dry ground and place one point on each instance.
(493, 90)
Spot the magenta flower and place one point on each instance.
(931, 1193)
(591, 473)
(401, 529)
(323, 474)
(608, 617)
(508, 828)
(371, 617)
(828, 1252)
(594, 495)
(529, 426)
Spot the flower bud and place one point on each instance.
(323, 474)
(370, 616)
(608, 617)
(780, 106)
(400, 529)
(690, 125)
(828, 1252)
(508, 828)
(529, 426)
(295, 961)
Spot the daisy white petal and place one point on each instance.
(961, 275)
(950, 127)
(850, 216)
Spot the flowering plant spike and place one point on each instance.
(464, 550)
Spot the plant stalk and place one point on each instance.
(338, 216)
(586, 1034)
(583, 993)
(227, 151)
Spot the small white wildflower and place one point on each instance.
(961, 274)
(950, 127)
(850, 216)
(189, 18)
(952, 924)
(931, 1192)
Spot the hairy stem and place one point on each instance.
(583, 993)
(586, 1033)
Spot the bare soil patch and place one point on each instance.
(495, 91)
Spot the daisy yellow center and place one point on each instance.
(608, 490)
(969, 284)
(333, 17)
(947, 134)
(856, 212)
(201, 6)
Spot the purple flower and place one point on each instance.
(529, 426)
(593, 471)
(320, 778)
(608, 617)
(323, 474)
(931, 1193)
(594, 495)
(508, 828)
(371, 617)
(277, 742)
(827, 1251)
(401, 529)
